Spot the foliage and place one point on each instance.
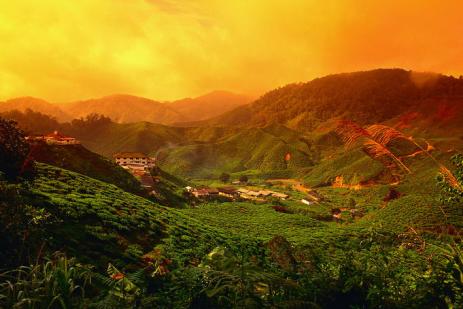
(365, 97)
(58, 283)
(22, 226)
(237, 282)
(374, 142)
(244, 178)
(13, 149)
(224, 177)
(451, 185)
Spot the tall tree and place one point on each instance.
(14, 149)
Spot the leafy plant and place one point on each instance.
(351, 133)
(60, 282)
(452, 184)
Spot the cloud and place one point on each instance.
(166, 49)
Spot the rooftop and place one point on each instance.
(57, 135)
(130, 155)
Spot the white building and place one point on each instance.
(54, 138)
(134, 159)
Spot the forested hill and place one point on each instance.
(366, 97)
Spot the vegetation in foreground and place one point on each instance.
(120, 250)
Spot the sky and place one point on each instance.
(64, 50)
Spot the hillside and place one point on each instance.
(366, 97)
(106, 224)
(261, 149)
(78, 159)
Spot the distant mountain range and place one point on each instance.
(123, 108)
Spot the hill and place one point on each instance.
(366, 97)
(123, 108)
(298, 119)
(78, 159)
(261, 149)
(38, 105)
(209, 105)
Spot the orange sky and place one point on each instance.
(165, 49)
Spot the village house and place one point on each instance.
(133, 159)
(229, 192)
(54, 138)
(250, 194)
(205, 192)
(280, 195)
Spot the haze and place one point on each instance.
(168, 49)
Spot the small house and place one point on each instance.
(205, 192)
(228, 192)
(280, 195)
(54, 138)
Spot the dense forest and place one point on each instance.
(366, 97)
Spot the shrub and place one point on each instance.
(280, 208)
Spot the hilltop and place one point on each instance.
(366, 97)
(123, 108)
(38, 105)
(209, 105)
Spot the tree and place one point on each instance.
(14, 149)
(451, 184)
(244, 178)
(224, 177)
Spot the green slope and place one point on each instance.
(261, 148)
(79, 159)
(100, 223)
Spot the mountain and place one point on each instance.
(38, 105)
(209, 105)
(124, 109)
(298, 119)
(365, 97)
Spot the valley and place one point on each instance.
(325, 194)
